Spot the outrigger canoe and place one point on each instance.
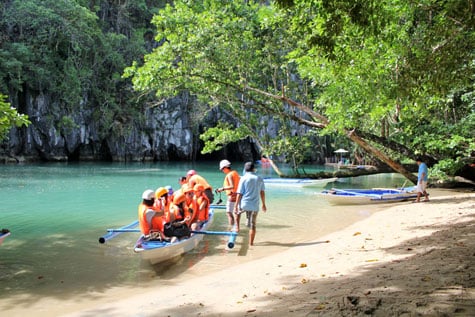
(159, 251)
(298, 182)
(368, 196)
(3, 234)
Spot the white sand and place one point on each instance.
(408, 260)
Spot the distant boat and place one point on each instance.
(298, 182)
(3, 234)
(368, 196)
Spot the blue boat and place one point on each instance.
(3, 234)
(159, 251)
(337, 196)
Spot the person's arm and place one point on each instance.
(238, 202)
(263, 199)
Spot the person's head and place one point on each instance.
(418, 160)
(148, 197)
(188, 192)
(249, 167)
(169, 189)
(224, 164)
(182, 180)
(161, 193)
(190, 173)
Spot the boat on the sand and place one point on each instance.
(368, 196)
(298, 182)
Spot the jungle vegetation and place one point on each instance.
(394, 77)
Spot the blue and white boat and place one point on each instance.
(298, 182)
(3, 234)
(159, 251)
(337, 196)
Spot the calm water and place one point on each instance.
(57, 212)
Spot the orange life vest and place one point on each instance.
(145, 226)
(232, 193)
(202, 215)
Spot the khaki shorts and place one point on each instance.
(421, 186)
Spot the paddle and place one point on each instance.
(112, 233)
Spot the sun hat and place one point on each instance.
(170, 190)
(160, 192)
(148, 194)
(224, 163)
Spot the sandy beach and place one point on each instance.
(407, 260)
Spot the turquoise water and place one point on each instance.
(57, 212)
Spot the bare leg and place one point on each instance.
(237, 221)
(418, 199)
(252, 235)
(230, 218)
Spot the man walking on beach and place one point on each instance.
(250, 189)
(230, 185)
(422, 178)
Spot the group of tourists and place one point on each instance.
(168, 215)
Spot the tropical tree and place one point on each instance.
(345, 67)
(10, 117)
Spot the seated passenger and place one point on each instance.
(193, 178)
(150, 220)
(202, 207)
(179, 217)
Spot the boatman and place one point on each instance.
(250, 189)
(230, 186)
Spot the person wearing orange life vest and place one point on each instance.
(193, 178)
(230, 185)
(190, 204)
(179, 213)
(202, 207)
(150, 220)
(162, 203)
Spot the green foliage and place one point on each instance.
(394, 69)
(224, 133)
(10, 117)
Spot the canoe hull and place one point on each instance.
(367, 196)
(298, 182)
(157, 251)
(3, 236)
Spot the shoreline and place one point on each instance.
(410, 259)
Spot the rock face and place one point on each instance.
(163, 133)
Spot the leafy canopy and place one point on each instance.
(10, 117)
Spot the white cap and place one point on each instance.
(224, 163)
(148, 194)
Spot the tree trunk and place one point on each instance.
(383, 157)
